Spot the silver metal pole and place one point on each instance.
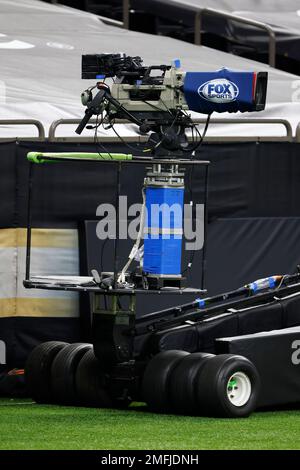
(238, 19)
(126, 13)
(198, 26)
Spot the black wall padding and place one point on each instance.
(8, 185)
(241, 250)
(272, 354)
(201, 336)
(246, 180)
(22, 334)
(67, 193)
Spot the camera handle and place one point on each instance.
(94, 108)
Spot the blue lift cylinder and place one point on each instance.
(163, 229)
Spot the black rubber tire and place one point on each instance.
(182, 382)
(155, 385)
(91, 382)
(38, 370)
(211, 386)
(63, 373)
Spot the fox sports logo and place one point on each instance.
(219, 90)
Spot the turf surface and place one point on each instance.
(25, 425)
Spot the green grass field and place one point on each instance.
(25, 425)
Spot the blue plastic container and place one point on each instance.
(163, 231)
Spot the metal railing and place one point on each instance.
(200, 12)
(286, 138)
(59, 122)
(22, 122)
(244, 121)
(136, 138)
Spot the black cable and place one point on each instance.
(190, 185)
(96, 141)
(156, 107)
(102, 254)
(164, 133)
(199, 143)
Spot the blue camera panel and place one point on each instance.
(224, 91)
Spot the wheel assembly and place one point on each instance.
(90, 382)
(38, 370)
(239, 389)
(182, 382)
(228, 386)
(63, 373)
(156, 379)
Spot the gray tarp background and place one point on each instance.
(282, 13)
(40, 66)
(245, 5)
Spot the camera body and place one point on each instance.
(168, 88)
(158, 98)
(154, 93)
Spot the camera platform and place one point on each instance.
(87, 284)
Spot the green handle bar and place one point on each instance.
(41, 157)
